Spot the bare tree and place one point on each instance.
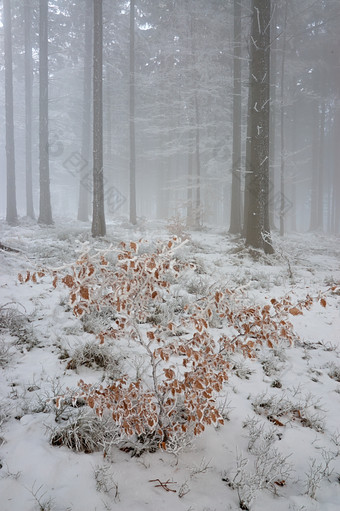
(83, 206)
(98, 218)
(11, 213)
(235, 210)
(45, 212)
(28, 108)
(133, 212)
(258, 231)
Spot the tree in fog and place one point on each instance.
(28, 108)
(45, 212)
(235, 210)
(133, 212)
(98, 216)
(258, 231)
(11, 212)
(83, 205)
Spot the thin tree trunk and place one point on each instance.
(198, 166)
(320, 222)
(294, 129)
(336, 174)
(28, 108)
(282, 127)
(272, 119)
(247, 179)
(235, 209)
(11, 211)
(84, 184)
(132, 128)
(98, 218)
(45, 211)
(315, 152)
(190, 215)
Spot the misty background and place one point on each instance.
(184, 90)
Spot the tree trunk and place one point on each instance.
(258, 232)
(272, 118)
(84, 184)
(235, 211)
(198, 166)
(315, 152)
(336, 173)
(320, 223)
(282, 127)
(45, 211)
(11, 211)
(133, 212)
(98, 217)
(247, 179)
(28, 108)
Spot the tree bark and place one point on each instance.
(258, 231)
(84, 181)
(45, 212)
(28, 108)
(282, 127)
(11, 210)
(98, 218)
(235, 210)
(133, 212)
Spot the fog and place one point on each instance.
(168, 102)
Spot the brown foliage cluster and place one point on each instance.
(188, 362)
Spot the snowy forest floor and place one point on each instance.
(279, 447)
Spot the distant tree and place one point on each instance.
(28, 108)
(45, 213)
(98, 218)
(282, 124)
(83, 206)
(11, 213)
(235, 210)
(133, 212)
(258, 231)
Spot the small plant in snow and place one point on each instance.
(322, 469)
(270, 471)
(176, 227)
(85, 433)
(281, 410)
(39, 495)
(92, 354)
(334, 372)
(105, 481)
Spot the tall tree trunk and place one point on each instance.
(11, 211)
(315, 152)
(272, 118)
(198, 165)
(98, 217)
(133, 212)
(321, 176)
(190, 209)
(45, 211)
(84, 185)
(282, 127)
(28, 108)
(247, 178)
(294, 134)
(336, 173)
(235, 210)
(258, 232)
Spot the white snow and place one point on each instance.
(36, 475)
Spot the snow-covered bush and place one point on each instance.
(187, 361)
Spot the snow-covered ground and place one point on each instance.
(290, 462)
